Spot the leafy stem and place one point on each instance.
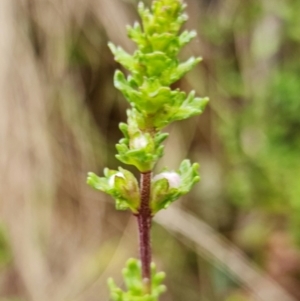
(154, 104)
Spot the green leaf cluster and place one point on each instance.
(153, 67)
(121, 185)
(167, 187)
(138, 148)
(135, 285)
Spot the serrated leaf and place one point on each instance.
(183, 68)
(122, 57)
(186, 37)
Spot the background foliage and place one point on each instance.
(59, 115)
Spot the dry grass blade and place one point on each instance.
(215, 247)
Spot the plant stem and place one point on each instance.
(144, 225)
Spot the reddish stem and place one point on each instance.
(144, 225)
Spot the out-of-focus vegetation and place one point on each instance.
(59, 115)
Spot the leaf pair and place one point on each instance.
(166, 187)
(135, 284)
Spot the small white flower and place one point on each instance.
(111, 181)
(139, 142)
(172, 177)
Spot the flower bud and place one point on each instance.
(139, 142)
(173, 178)
(111, 181)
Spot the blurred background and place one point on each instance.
(235, 237)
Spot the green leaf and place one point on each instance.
(135, 288)
(183, 68)
(122, 57)
(165, 42)
(135, 34)
(120, 82)
(155, 62)
(121, 185)
(168, 186)
(186, 37)
(180, 109)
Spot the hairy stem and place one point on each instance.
(144, 225)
